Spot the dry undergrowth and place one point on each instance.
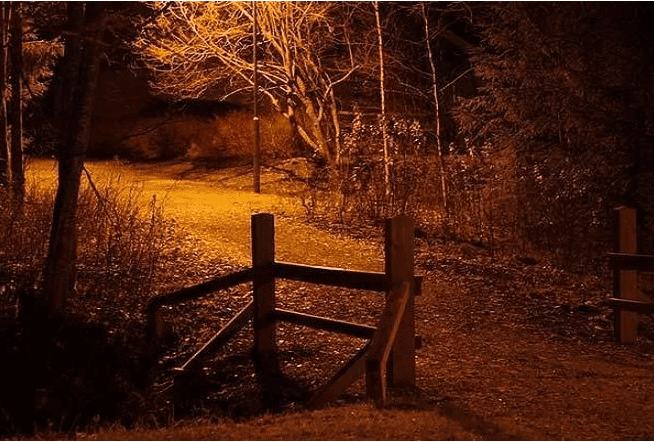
(510, 351)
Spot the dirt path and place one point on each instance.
(515, 364)
(212, 207)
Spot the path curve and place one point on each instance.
(220, 215)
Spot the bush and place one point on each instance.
(200, 138)
(577, 120)
(86, 368)
(359, 179)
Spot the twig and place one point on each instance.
(100, 198)
(454, 81)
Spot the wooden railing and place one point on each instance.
(627, 300)
(392, 343)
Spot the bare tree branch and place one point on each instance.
(194, 47)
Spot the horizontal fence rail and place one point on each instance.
(203, 289)
(628, 301)
(645, 308)
(631, 261)
(326, 324)
(334, 277)
(331, 325)
(155, 327)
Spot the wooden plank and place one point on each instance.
(263, 257)
(625, 281)
(631, 261)
(334, 277)
(389, 324)
(646, 308)
(332, 325)
(197, 291)
(383, 341)
(399, 264)
(327, 324)
(348, 374)
(223, 336)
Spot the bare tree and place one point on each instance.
(199, 48)
(382, 93)
(437, 114)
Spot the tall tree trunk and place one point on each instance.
(4, 147)
(382, 92)
(83, 57)
(437, 115)
(16, 115)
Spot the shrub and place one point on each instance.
(230, 135)
(576, 118)
(359, 180)
(88, 366)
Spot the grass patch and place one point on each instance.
(355, 422)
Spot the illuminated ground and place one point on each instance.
(510, 351)
(217, 208)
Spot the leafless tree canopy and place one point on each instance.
(205, 48)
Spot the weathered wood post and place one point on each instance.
(625, 281)
(401, 371)
(399, 268)
(263, 287)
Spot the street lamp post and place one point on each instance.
(256, 160)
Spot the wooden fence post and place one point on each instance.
(625, 281)
(381, 346)
(263, 287)
(399, 246)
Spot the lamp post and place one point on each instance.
(256, 160)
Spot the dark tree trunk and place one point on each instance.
(16, 114)
(65, 86)
(83, 55)
(4, 147)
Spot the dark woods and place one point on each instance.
(564, 94)
(46, 355)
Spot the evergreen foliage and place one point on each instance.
(567, 89)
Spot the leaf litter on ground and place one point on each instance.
(511, 349)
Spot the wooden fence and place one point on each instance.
(627, 301)
(389, 356)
